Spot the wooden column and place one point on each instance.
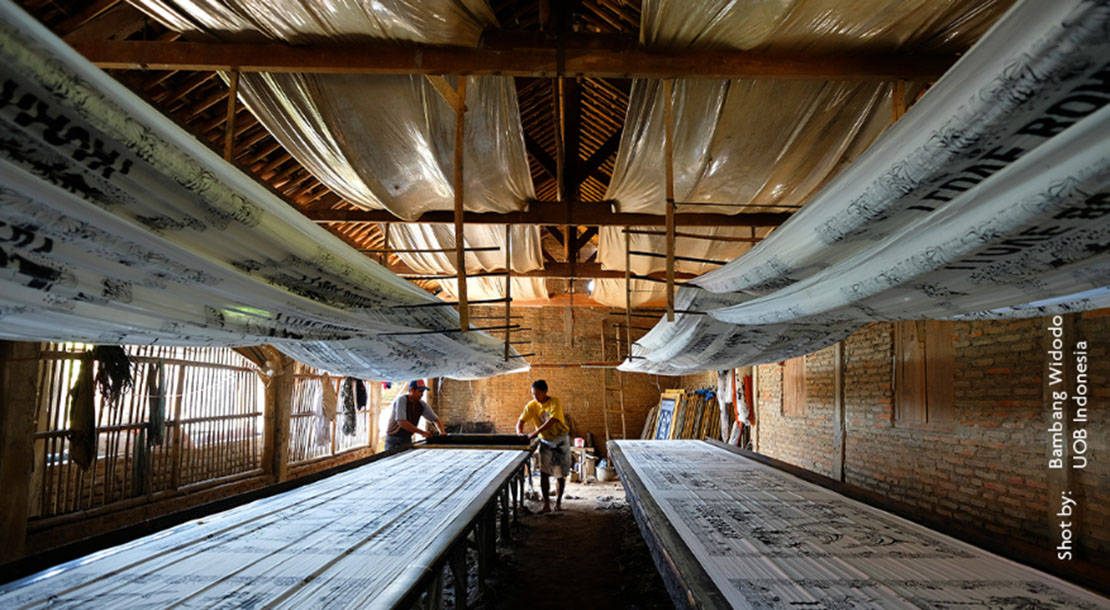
(460, 237)
(19, 367)
(508, 290)
(838, 412)
(628, 289)
(755, 408)
(229, 131)
(279, 406)
(668, 163)
(375, 413)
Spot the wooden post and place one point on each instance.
(628, 289)
(668, 162)
(838, 412)
(177, 449)
(229, 131)
(19, 396)
(279, 406)
(755, 408)
(457, 562)
(375, 413)
(508, 290)
(460, 254)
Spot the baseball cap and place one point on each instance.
(417, 384)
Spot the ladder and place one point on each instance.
(613, 394)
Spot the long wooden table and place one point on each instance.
(728, 532)
(378, 536)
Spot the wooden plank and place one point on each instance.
(542, 62)
(585, 213)
(939, 372)
(119, 21)
(18, 403)
(687, 582)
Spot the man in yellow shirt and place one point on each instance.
(546, 412)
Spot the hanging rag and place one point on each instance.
(113, 376)
(82, 417)
(361, 398)
(347, 399)
(156, 395)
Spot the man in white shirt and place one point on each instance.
(405, 414)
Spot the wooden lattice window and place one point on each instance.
(794, 387)
(923, 373)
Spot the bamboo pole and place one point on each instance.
(460, 254)
(668, 162)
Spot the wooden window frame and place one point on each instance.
(924, 366)
(794, 388)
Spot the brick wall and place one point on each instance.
(501, 399)
(989, 468)
(803, 441)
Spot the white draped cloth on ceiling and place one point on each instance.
(769, 145)
(989, 199)
(116, 226)
(387, 142)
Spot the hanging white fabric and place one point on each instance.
(767, 145)
(119, 227)
(986, 200)
(385, 142)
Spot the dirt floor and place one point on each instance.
(589, 555)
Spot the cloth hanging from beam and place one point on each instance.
(385, 142)
(119, 227)
(986, 200)
(763, 143)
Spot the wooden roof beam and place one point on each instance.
(536, 62)
(546, 213)
(583, 271)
